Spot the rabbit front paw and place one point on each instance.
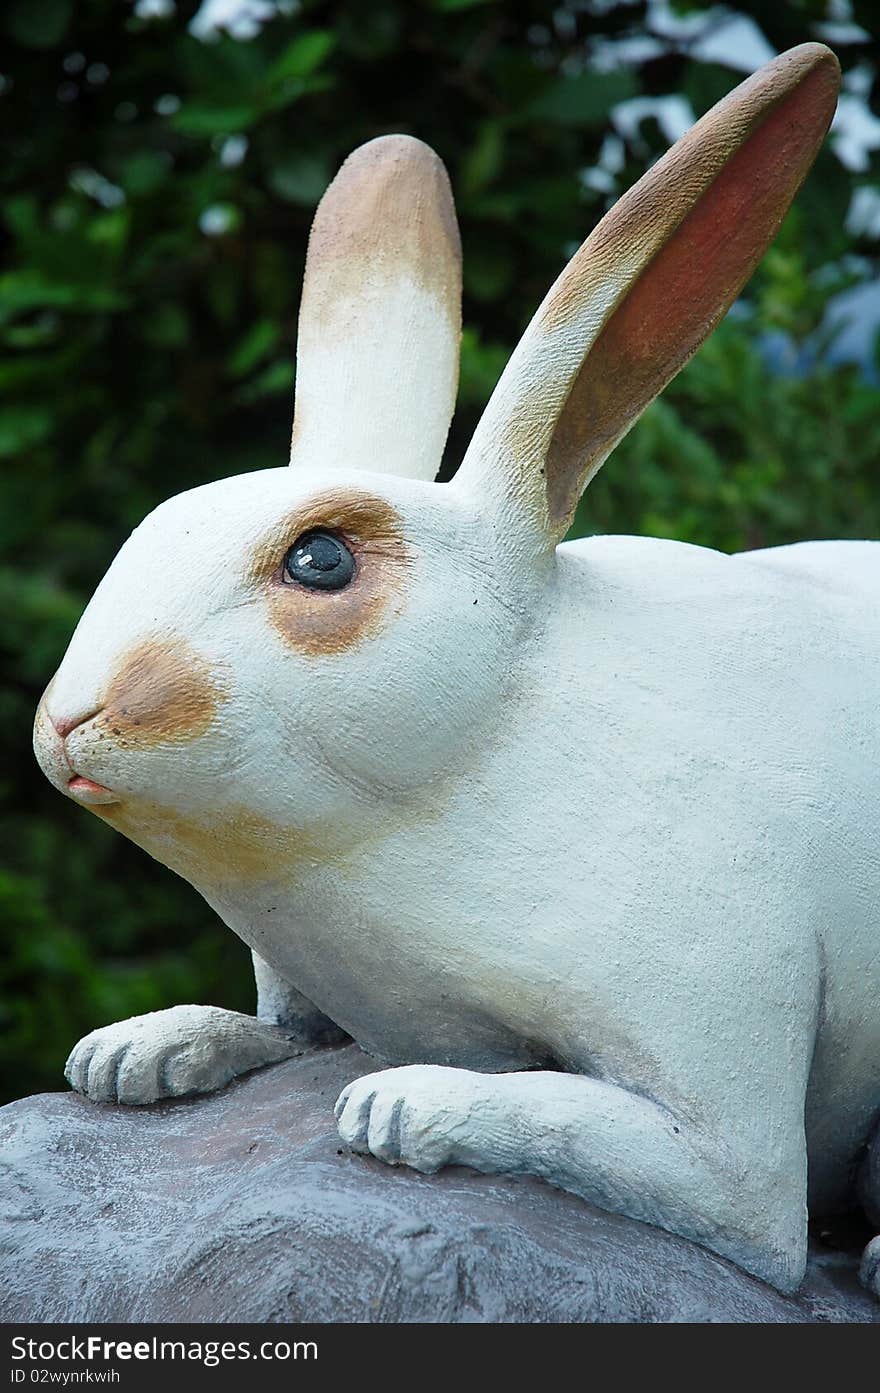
(422, 1115)
(166, 1054)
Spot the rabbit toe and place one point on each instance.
(417, 1116)
(168, 1054)
(117, 1064)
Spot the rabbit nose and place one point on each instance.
(50, 749)
(53, 757)
(66, 725)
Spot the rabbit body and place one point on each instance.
(713, 925)
(580, 839)
(723, 797)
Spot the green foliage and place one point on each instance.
(156, 196)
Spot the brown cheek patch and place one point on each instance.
(162, 693)
(330, 622)
(239, 847)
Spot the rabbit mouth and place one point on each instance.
(54, 758)
(88, 791)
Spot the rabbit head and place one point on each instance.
(275, 661)
(287, 643)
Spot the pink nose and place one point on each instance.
(65, 724)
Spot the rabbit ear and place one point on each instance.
(647, 287)
(380, 318)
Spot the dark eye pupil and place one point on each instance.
(320, 561)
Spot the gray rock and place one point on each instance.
(245, 1206)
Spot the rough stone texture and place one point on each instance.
(244, 1206)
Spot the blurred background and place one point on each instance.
(161, 163)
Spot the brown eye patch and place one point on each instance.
(327, 622)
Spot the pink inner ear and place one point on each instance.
(687, 288)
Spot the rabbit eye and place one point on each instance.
(320, 561)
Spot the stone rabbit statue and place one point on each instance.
(581, 838)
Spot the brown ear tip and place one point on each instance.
(396, 149)
(808, 58)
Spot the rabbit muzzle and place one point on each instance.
(160, 693)
(58, 762)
